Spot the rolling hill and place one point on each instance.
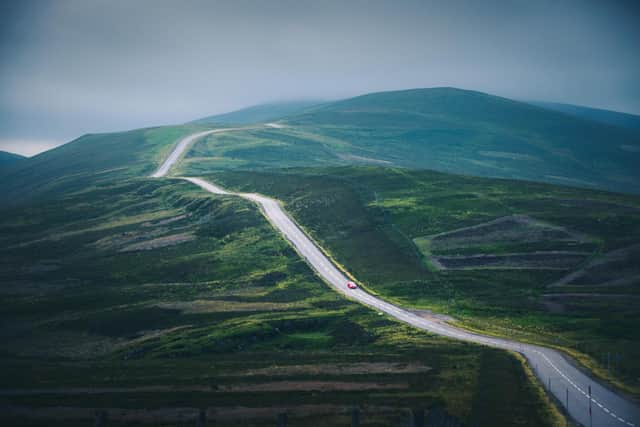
(103, 264)
(7, 158)
(474, 133)
(260, 113)
(86, 161)
(444, 129)
(614, 118)
(552, 264)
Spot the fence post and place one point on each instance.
(101, 418)
(202, 418)
(355, 417)
(282, 420)
(417, 417)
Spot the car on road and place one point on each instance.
(352, 285)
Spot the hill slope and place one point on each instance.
(92, 159)
(614, 118)
(550, 264)
(474, 133)
(260, 113)
(445, 129)
(7, 158)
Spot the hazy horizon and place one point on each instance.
(72, 67)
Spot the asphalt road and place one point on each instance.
(560, 376)
(180, 148)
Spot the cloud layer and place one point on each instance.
(69, 67)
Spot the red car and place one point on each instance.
(352, 285)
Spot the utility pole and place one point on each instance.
(101, 418)
(202, 418)
(567, 405)
(590, 413)
(355, 417)
(281, 420)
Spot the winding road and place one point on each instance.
(587, 401)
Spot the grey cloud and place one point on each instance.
(74, 66)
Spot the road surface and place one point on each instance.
(570, 385)
(180, 148)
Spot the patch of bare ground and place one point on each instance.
(154, 333)
(364, 159)
(509, 229)
(547, 260)
(568, 180)
(566, 302)
(337, 369)
(149, 235)
(508, 155)
(70, 391)
(590, 204)
(161, 415)
(243, 412)
(65, 344)
(229, 388)
(160, 242)
(119, 240)
(70, 344)
(569, 295)
(616, 268)
(313, 386)
(69, 231)
(165, 221)
(217, 306)
(182, 414)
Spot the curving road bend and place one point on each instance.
(561, 377)
(180, 148)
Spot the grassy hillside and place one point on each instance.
(474, 133)
(110, 279)
(549, 264)
(614, 118)
(7, 158)
(442, 129)
(260, 113)
(89, 160)
(260, 148)
(162, 299)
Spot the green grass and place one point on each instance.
(370, 218)
(260, 113)
(77, 312)
(93, 159)
(443, 129)
(7, 159)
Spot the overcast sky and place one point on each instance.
(73, 67)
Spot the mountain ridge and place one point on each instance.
(259, 112)
(445, 129)
(611, 117)
(7, 157)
